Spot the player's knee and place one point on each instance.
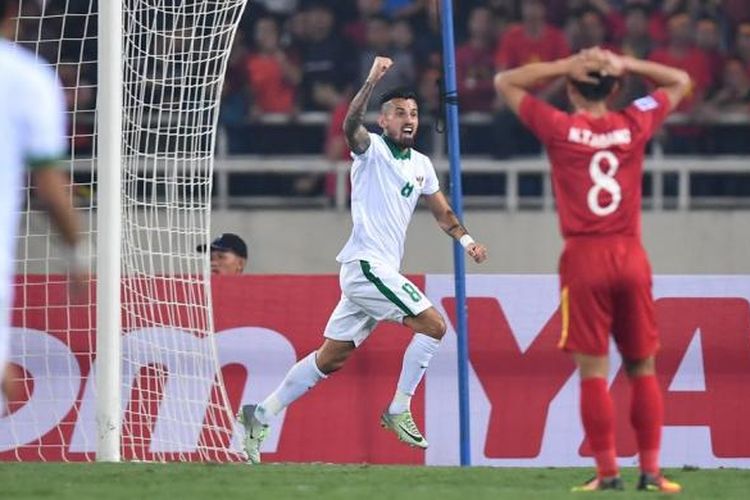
(331, 358)
(332, 363)
(436, 327)
(640, 367)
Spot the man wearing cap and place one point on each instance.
(228, 254)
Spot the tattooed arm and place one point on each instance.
(356, 134)
(448, 222)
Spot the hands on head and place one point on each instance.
(595, 60)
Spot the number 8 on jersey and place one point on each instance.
(604, 181)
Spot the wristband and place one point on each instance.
(466, 240)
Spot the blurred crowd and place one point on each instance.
(293, 56)
(296, 56)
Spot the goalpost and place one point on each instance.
(131, 371)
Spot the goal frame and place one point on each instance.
(109, 233)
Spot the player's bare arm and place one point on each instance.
(672, 81)
(514, 84)
(355, 132)
(52, 190)
(449, 223)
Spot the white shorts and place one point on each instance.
(372, 292)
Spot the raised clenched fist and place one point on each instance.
(379, 66)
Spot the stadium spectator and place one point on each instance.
(732, 97)
(742, 43)
(708, 39)
(474, 62)
(379, 36)
(403, 8)
(428, 41)
(228, 254)
(276, 7)
(295, 33)
(403, 42)
(324, 58)
(235, 94)
(272, 74)
(681, 53)
(656, 15)
(636, 41)
(736, 11)
(588, 29)
(337, 102)
(355, 30)
(402, 36)
(532, 40)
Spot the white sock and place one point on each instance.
(301, 377)
(416, 358)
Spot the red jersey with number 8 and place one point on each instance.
(597, 163)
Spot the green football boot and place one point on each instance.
(255, 433)
(404, 427)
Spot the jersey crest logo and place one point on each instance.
(420, 180)
(646, 103)
(407, 189)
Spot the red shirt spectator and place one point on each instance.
(657, 21)
(336, 149)
(708, 39)
(475, 62)
(272, 75)
(696, 64)
(532, 41)
(272, 93)
(680, 53)
(517, 47)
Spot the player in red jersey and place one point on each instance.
(605, 277)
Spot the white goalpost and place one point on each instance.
(131, 372)
(109, 223)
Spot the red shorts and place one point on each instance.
(605, 285)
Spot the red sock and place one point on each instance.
(598, 416)
(646, 416)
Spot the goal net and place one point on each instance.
(172, 401)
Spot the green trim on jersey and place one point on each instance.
(43, 162)
(367, 270)
(398, 153)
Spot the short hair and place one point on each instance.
(590, 10)
(709, 18)
(598, 91)
(677, 14)
(636, 7)
(379, 18)
(399, 93)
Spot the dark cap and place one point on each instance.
(227, 242)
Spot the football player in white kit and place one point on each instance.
(387, 176)
(32, 135)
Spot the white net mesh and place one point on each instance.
(173, 399)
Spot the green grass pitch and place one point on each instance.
(134, 481)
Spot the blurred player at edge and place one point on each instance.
(32, 135)
(387, 177)
(605, 276)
